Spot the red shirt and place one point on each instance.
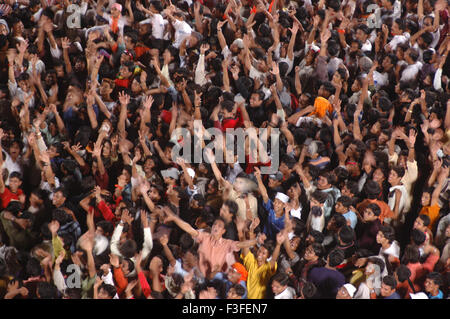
(7, 196)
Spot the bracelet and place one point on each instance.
(119, 187)
(341, 31)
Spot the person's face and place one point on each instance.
(378, 175)
(136, 87)
(339, 208)
(240, 185)
(34, 200)
(18, 27)
(232, 294)
(124, 72)
(99, 231)
(58, 199)
(126, 175)
(361, 36)
(273, 183)
(346, 192)
(430, 286)
(418, 224)
(24, 85)
(3, 29)
(310, 255)
(294, 242)
(355, 86)
(375, 129)
(218, 229)
(189, 260)
(387, 65)
(14, 184)
(277, 288)
(14, 150)
(393, 178)
(278, 205)
(354, 47)
(52, 151)
(149, 165)
(102, 294)
(106, 151)
(369, 215)
(447, 232)
(343, 293)
(380, 238)
(262, 255)
(233, 275)
(74, 96)
(105, 88)
(125, 269)
(294, 191)
(115, 13)
(255, 100)
(386, 290)
(225, 212)
(212, 189)
(322, 183)
(395, 28)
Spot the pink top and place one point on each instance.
(213, 253)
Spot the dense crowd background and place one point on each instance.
(95, 206)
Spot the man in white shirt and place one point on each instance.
(414, 66)
(182, 28)
(155, 18)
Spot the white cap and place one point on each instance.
(419, 295)
(283, 197)
(350, 289)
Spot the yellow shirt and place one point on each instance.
(258, 277)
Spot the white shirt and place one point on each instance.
(158, 23)
(288, 293)
(182, 30)
(403, 200)
(411, 72)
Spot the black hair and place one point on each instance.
(309, 290)
(410, 255)
(400, 171)
(390, 281)
(388, 232)
(375, 208)
(403, 273)
(336, 257)
(418, 237)
(128, 249)
(282, 278)
(436, 278)
(238, 289)
(107, 226)
(345, 201)
(318, 249)
(339, 220)
(14, 207)
(425, 219)
(319, 196)
(110, 289)
(317, 235)
(47, 290)
(232, 206)
(347, 234)
(33, 267)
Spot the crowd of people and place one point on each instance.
(94, 205)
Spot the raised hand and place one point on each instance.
(124, 98)
(203, 48)
(148, 102)
(65, 43)
(144, 219)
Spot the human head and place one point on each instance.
(335, 258)
(433, 282)
(422, 222)
(386, 235)
(372, 212)
(388, 286)
(279, 283)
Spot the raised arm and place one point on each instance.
(170, 216)
(261, 187)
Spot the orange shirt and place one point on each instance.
(321, 106)
(432, 212)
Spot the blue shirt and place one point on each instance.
(351, 216)
(274, 224)
(395, 295)
(440, 295)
